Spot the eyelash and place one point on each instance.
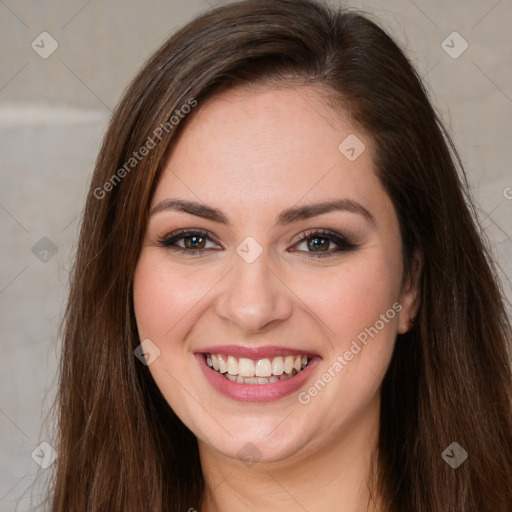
(343, 243)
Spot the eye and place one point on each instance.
(188, 241)
(319, 243)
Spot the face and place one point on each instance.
(270, 280)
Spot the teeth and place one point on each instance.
(264, 368)
(232, 366)
(288, 364)
(223, 363)
(278, 366)
(261, 371)
(246, 367)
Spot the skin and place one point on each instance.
(252, 152)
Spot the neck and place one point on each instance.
(332, 476)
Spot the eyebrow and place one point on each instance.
(287, 216)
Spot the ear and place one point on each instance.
(410, 294)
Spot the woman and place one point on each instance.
(280, 299)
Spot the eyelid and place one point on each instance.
(309, 233)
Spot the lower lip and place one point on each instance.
(257, 392)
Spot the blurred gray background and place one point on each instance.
(64, 65)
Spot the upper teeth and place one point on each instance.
(256, 368)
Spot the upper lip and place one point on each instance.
(251, 352)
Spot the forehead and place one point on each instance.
(269, 146)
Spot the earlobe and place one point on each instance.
(410, 296)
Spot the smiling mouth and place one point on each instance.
(260, 371)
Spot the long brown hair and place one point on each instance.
(121, 447)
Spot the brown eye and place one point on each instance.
(324, 243)
(190, 242)
(318, 243)
(194, 242)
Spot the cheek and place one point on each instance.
(163, 296)
(165, 302)
(358, 304)
(352, 296)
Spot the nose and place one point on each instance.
(253, 296)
